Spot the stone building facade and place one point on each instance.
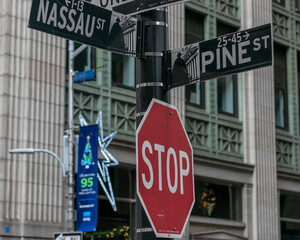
(244, 128)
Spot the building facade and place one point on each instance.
(244, 129)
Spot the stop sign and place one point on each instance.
(165, 172)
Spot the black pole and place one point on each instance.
(150, 73)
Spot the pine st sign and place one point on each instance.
(229, 54)
(86, 23)
(236, 52)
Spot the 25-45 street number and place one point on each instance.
(236, 52)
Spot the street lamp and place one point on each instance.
(70, 168)
(34, 150)
(70, 186)
(71, 181)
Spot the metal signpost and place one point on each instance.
(150, 84)
(158, 69)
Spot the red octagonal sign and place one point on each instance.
(165, 172)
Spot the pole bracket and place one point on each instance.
(167, 70)
(156, 23)
(153, 54)
(140, 43)
(140, 114)
(150, 84)
(143, 230)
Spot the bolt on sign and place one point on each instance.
(83, 22)
(165, 172)
(229, 54)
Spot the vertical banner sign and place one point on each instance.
(87, 185)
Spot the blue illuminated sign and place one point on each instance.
(87, 186)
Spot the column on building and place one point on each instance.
(32, 98)
(259, 134)
(176, 40)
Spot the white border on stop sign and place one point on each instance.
(163, 235)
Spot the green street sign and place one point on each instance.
(224, 55)
(86, 23)
(68, 236)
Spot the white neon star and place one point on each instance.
(109, 160)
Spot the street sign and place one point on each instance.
(87, 184)
(185, 66)
(131, 7)
(165, 173)
(86, 23)
(137, 6)
(229, 54)
(68, 236)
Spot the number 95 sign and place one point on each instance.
(87, 182)
(87, 187)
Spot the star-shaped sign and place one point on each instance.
(109, 161)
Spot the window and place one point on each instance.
(290, 216)
(123, 184)
(227, 86)
(194, 93)
(280, 2)
(227, 95)
(298, 59)
(86, 60)
(297, 5)
(281, 118)
(194, 32)
(122, 70)
(194, 27)
(217, 201)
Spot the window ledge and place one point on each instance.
(216, 221)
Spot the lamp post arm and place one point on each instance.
(34, 150)
(56, 157)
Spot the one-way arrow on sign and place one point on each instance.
(68, 236)
(229, 54)
(83, 22)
